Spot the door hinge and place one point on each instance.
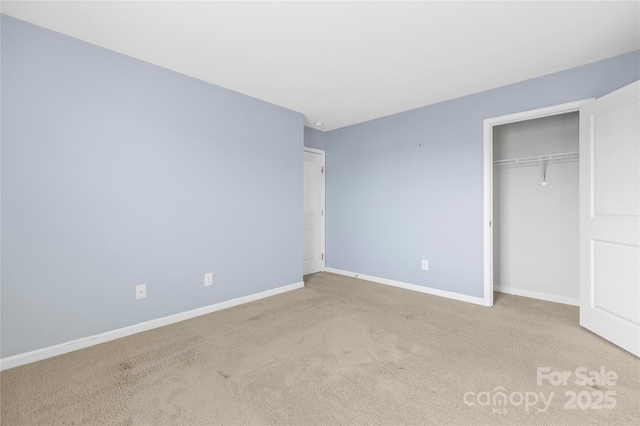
(321, 212)
(322, 256)
(322, 169)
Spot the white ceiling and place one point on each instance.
(348, 62)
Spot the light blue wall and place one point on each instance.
(314, 138)
(409, 186)
(116, 172)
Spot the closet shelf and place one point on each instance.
(537, 159)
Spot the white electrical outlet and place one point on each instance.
(141, 291)
(425, 265)
(208, 279)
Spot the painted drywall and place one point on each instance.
(409, 186)
(536, 226)
(116, 172)
(314, 138)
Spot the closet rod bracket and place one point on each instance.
(543, 171)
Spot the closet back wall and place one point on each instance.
(536, 230)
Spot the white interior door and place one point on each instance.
(610, 217)
(313, 211)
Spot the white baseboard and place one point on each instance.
(74, 345)
(541, 296)
(414, 287)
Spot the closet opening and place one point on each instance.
(536, 231)
(532, 204)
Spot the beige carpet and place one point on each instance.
(340, 351)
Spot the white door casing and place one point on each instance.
(313, 252)
(610, 217)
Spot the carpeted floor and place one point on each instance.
(339, 351)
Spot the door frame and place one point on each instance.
(488, 125)
(324, 209)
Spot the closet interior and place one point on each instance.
(535, 208)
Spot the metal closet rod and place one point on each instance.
(537, 158)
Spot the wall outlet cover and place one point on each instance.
(208, 279)
(425, 265)
(141, 291)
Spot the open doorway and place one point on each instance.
(521, 232)
(536, 233)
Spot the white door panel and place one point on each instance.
(616, 280)
(615, 161)
(313, 250)
(609, 217)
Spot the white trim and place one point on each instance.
(63, 348)
(413, 287)
(541, 296)
(315, 151)
(488, 178)
(324, 203)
